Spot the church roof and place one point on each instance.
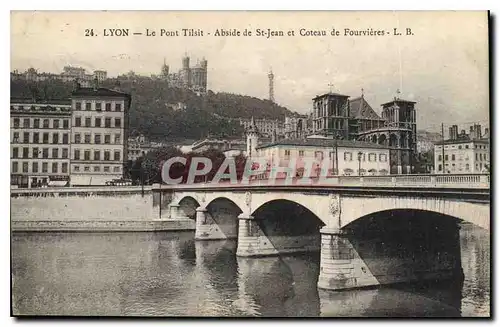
(361, 109)
(330, 94)
(397, 100)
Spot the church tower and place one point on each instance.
(164, 70)
(252, 135)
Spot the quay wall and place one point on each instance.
(90, 209)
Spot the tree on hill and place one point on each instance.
(153, 108)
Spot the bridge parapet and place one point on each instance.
(79, 191)
(461, 181)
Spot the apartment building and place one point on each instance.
(463, 153)
(99, 135)
(40, 143)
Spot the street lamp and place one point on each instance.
(360, 154)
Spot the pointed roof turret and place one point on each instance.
(252, 128)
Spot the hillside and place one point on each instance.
(426, 136)
(155, 110)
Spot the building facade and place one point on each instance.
(336, 116)
(194, 78)
(219, 144)
(343, 157)
(267, 127)
(330, 116)
(99, 135)
(140, 146)
(68, 74)
(40, 143)
(463, 153)
(297, 127)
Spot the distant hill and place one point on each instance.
(426, 136)
(164, 113)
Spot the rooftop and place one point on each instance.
(52, 102)
(462, 139)
(397, 100)
(361, 109)
(90, 91)
(330, 94)
(324, 143)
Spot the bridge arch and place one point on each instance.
(280, 212)
(477, 213)
(317, 205)
(287, 225)
(224, 214)
(188, 206)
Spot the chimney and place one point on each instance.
(95, 84)
(471, 133)
(450, 133)
(76, 85)
(486, 131)
(477, 129)
(117, 86)
(455, 132)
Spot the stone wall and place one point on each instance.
(91, 209)
(63, 206)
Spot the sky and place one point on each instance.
(443, 65)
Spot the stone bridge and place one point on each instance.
(370, 230)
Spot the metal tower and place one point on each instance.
(271, 85)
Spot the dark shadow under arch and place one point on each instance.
(289, 226)
(287, 218)
(224, 213)
(188, 206)
(416, 216)
(400, 243)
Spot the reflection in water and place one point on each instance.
(169, 274)
(475, 244)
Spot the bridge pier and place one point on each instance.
(253, 241)
(350, 260)
(340, 265)
(248, 236)
(206, 227)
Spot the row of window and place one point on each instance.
(37, 153)
(372, 157)
(479, 157)
(98, 122)
(56, 123)
(87, 138)
(97, 169)
(98, 106)
(97, 155)
(348, 156)
(476, 146)
(34, 137)
(36, 167)
(479, 166)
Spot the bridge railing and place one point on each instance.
(470, 181)
(473, 181)
(86, 190)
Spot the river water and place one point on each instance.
(169, 274)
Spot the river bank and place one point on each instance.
(101, 226)
(93, 209)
